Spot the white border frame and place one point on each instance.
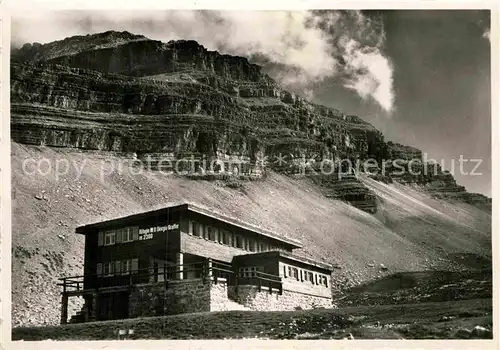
(11, 7)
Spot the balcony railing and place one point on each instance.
(260, 279)
(203, 270)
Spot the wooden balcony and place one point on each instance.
(94, 285)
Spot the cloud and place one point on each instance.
(370, 74)
(299, 48)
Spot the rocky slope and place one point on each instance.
(122, 98)
(123, 92)
(410, 232)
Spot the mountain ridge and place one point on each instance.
(124, 98)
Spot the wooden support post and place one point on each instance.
(95, 306)
(64, 308)
(210, 274)
(180, 266)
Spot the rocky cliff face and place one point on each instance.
(126, 93)
(117, 96)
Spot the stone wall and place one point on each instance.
(219, 295)
(266, 300)
(179, 297)
(182, 296)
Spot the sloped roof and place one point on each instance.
(186, 206)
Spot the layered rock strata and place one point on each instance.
(178, 101)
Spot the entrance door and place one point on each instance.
(114, 306)
(120, 305)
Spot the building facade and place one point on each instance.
(185, 258)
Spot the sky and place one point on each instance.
(421, 77)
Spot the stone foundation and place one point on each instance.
(187, 296)
(180, 296)
(218, 295)
(267, 300)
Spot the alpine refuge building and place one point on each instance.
(185, 258)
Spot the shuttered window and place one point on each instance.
(135, 233)
(128, 234)
(109, 238)
(135, 265)
(119, 235)
(251, 245)
(224, 237)
(211, 233)
(239, 242)
(218, 235)
(196, 229)
(107, 269)
(126, 266)
(123, 235)
(123, 267)
(117, 267)
(325, 281)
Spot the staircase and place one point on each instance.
(80, 316)
(229, 305)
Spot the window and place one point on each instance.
(325, 281)
(196, 229)
(251, 245)
(224, 237)
(117, 267)
(249, 271)
(211, 233)
(239, 242)
(107, 269)
(311, 277)
(295, 273)
(109, 238)
(128, 234)
(290, 271)
(126, 266)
